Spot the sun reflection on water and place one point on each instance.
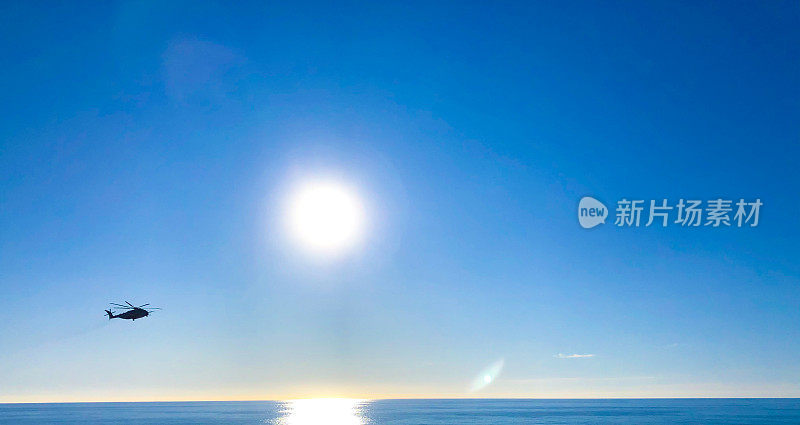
(323, 411)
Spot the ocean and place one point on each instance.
(414, 412)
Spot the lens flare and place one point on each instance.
(487, 376)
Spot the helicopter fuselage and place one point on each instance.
(133, 314)
(130, 311)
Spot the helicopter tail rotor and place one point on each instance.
(110, 315)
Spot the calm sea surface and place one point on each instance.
(407, 412)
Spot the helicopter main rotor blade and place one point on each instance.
(143, 305)
(119, 305)
(132, 306)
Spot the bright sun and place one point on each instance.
(325, 216)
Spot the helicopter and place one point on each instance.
(131, 311)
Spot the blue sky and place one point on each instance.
(145, 148)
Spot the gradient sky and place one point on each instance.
(145, 148)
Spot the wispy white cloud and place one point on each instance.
(572, 356)
(580, 379)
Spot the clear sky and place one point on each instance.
(145, 148)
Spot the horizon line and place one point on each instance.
(283, 400)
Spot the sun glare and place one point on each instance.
(325, 217)
(328, 411)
